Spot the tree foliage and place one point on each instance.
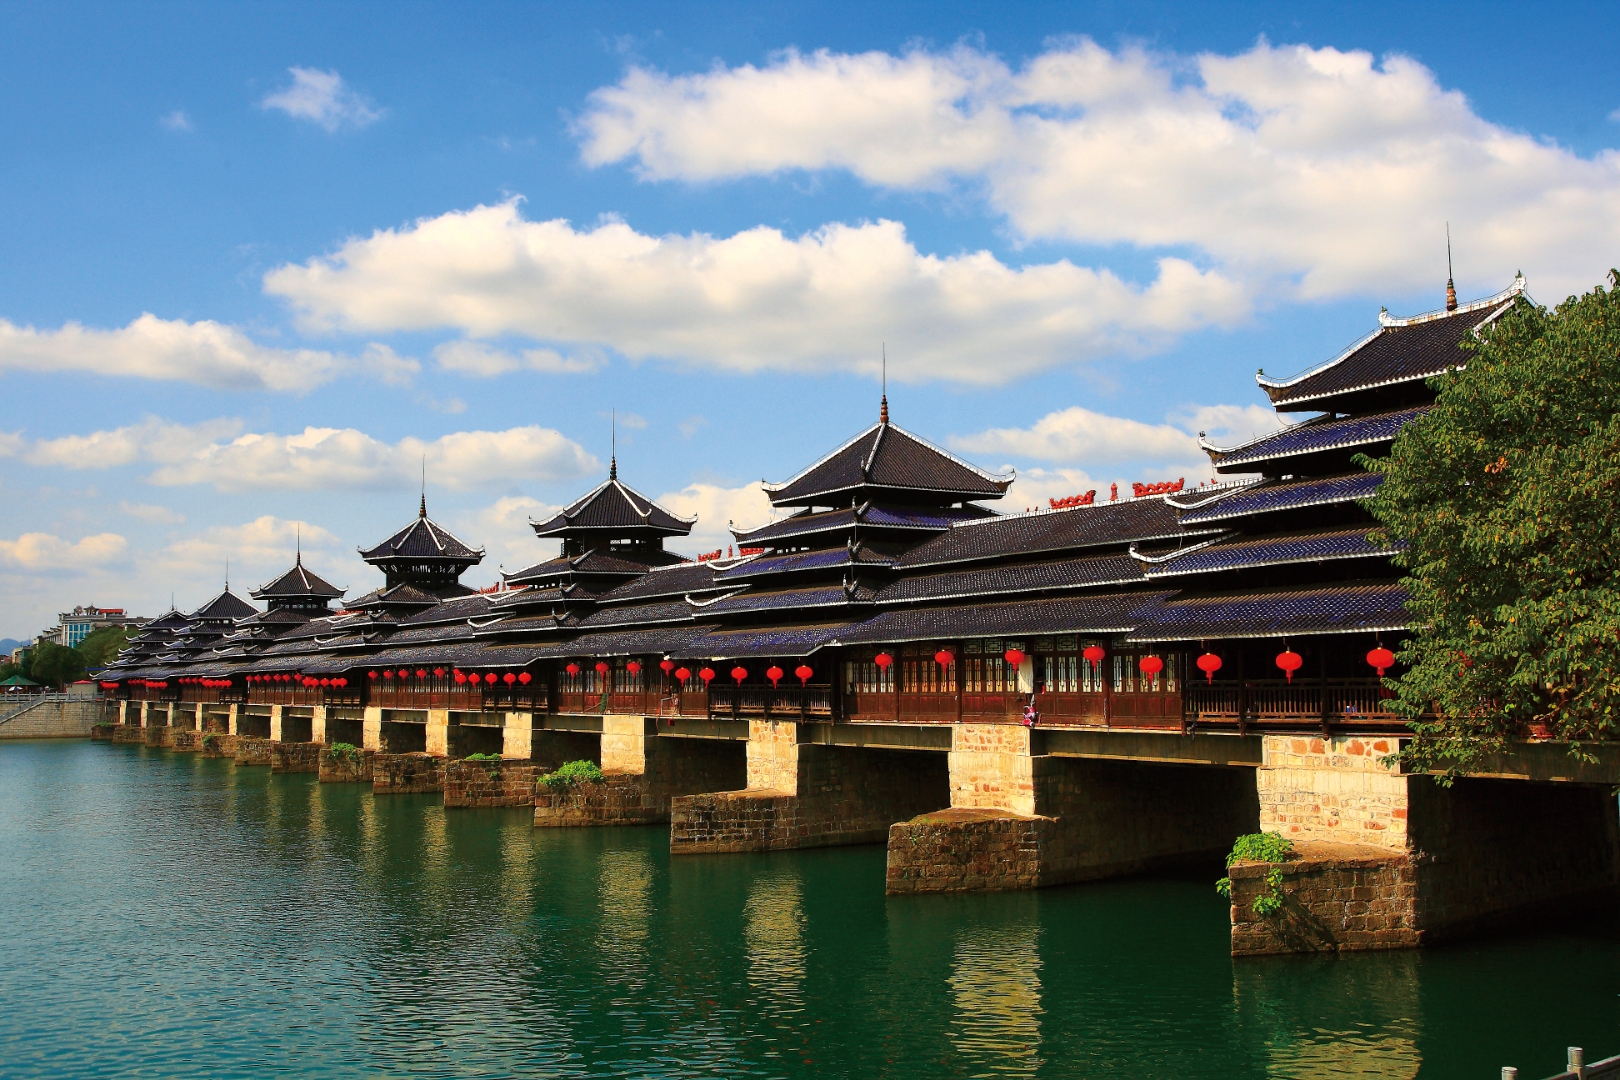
(55, 665)
(101, 646)
(1507, 494)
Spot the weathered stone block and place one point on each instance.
(295, 757)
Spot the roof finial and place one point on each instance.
(1451, 289)
(883, 408)
(613, 443)
(298, 544)
(227, 573)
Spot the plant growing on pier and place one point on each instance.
(482, 757)
(346, 752)
(1504, 493)
(573, 772)
(1266, 848)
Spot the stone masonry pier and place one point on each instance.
(805, 791)
(1388, 860)
(1079, 811)
(648, 769)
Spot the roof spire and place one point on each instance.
(883, 408)
(1451, 289)
(423, 511)
(227, 573)
(613, 443)
(298, 544)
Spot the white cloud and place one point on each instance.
(503, 528)
(206, 353)
(754, 301)
(1080, 436)
(691, 425)
(157, 515)
(45, 551)
(485, 361)
(322, 98)
(718, 510)
(1332, 168)
(265, 544)
(217, 453)
(176, 121)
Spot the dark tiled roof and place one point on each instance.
(789, 600)
(1108, 614)
(397, 596)
(297, 582)
(1103, 525)
(1272, 495)
(802, 524)
(1401, 350)
(792, 641)
(1338, 609)
(227, 606)
(887, 457)
(615, 508)
(1243, 552)
(624, 642)
(829, 558)
(675, 581)
(456, 610)
(591, 562)
(423, 538)
(1314, 437)
(637, 614)
(1024, 577)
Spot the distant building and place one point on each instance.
(76, 625)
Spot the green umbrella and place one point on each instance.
(18, 680)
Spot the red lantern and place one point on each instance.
(404, 674)
(490, 679)
(739, 673)
(944, 658)
(572, 669)
(509, 678)
(774, 674)
(421, 673)
(1290, 661)
(1094, 654)
(438, 673)
(343, 682)
(707, 675)
(682, 674)
(1382, 659)
(1150, 665)
(602, 668)
(1209, 664)
(525, 678)
(803, 672)
(633, 667)
(883, 660)
(461, 677)
(326, 682)
(666, 665)
(1014, 657)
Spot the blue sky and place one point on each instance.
(256, 260)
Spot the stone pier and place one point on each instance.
(802, 792)
(1026, 816)
(647, 772)
(1386, 860)
(345, 768)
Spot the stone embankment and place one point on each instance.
(51, 716)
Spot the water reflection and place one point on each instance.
(624, 897)
(773, 935)
(996, 987)
(1351, 1016)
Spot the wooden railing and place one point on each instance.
(1338, 701)
(784, 702)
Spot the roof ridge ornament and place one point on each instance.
(883, 405)
(1451, 289)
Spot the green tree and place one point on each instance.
(102, 646)
(1507, 494)
(55, 665)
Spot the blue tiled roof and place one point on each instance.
(1275, 495)
(1242, 552)
(803, 560)
(999, 581)
(1316, 436)
(1087, 614)
(785, 641)
(788, 599)
(1341, 609)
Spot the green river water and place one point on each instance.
(167, 915)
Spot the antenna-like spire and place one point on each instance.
(422, 512)
(1451, 289)
(883, 408)
(613, 443)
(298, 544)
(227, 573)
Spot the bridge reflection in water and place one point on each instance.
(995, 985)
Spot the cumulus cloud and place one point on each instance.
(753, 301)
(1332, 168)
(206, 353)
(718, 510)
(503, 528)
(157, 515)
(176, 121)
(486, 361)
(266, 544)
(322, 98)
(1080, 436)
(218, 453)
(46, 551)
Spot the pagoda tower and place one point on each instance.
(422, 565)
